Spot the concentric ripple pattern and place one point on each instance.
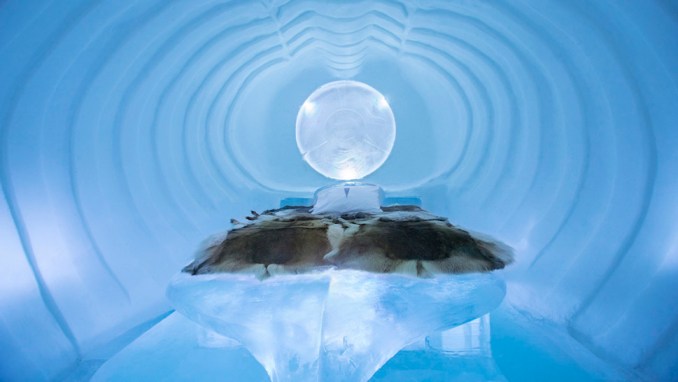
(131, 131)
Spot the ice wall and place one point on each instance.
(132, 130)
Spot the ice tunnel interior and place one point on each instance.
(131, 131)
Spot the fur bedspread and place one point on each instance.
(401, 239)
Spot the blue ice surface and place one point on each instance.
(296, 202)
(333, 325)
(129, 132)
(323, 322)
(175, 350)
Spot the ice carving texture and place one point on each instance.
(130, 129)
(279, 321)
(345, 130)
(332, 325)
(369, 318)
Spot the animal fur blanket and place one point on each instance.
(401, 239)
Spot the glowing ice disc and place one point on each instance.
(345, 130)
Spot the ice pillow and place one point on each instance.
(348, 197)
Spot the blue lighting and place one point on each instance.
(131, 132)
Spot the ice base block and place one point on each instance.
(334, 325)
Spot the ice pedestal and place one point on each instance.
(370, 317)
(332, 325)
(279, 321)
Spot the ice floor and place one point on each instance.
(131, 131)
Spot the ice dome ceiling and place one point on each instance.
(130, 131)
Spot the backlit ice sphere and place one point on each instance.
(345, 130)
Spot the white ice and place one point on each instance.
(348, 197)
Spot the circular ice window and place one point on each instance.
(345, 130)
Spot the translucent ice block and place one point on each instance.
(345, 130)
(370, 317)
(332, 325)
(278, 321)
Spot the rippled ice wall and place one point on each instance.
(130, 131)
